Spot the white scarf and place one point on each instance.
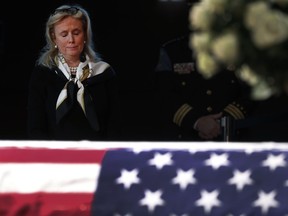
(85, 70)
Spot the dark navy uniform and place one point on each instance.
(184, 95)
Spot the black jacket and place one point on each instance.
(45, 86)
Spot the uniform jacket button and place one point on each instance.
(209, 92)
(209, 109)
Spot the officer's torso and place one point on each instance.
(211, 94)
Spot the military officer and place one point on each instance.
(192, 108)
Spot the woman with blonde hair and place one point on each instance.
(72, 92)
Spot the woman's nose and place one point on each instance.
(70, 38)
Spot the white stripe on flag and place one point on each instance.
(47, 177)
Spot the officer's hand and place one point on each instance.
(209, 126)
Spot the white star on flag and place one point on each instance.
(137, 150)
(152, 199)
(249, 151)
(274, 161)
(192, 151)
(161, 160)
(266, 201)
(217, 161)
(184, 178)
(240, 179)
(128, 178)
(208, 200)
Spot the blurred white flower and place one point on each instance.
(216, 6)
(207, 64)
(200, 17)
(200, 42)
(268, 27)
(254, 13)
(246, 74)
(244, 34)
(262, 91)
(225, 47)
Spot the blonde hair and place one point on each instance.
(49, 52)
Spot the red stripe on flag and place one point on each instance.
(44, 204)
(46, 155)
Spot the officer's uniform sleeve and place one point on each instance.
(186, 116)
(242, 106)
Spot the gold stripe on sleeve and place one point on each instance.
(180, 114)
(234, 111)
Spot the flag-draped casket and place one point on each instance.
(143, 178)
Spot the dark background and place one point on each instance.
(128, 34)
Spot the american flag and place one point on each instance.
(188, 182)
(198, 179)
(54, 179)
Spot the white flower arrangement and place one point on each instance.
(249, 35)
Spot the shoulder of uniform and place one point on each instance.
(175, 41)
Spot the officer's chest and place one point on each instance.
(192, 84)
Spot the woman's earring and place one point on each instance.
(84, 42)
(56, 46)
